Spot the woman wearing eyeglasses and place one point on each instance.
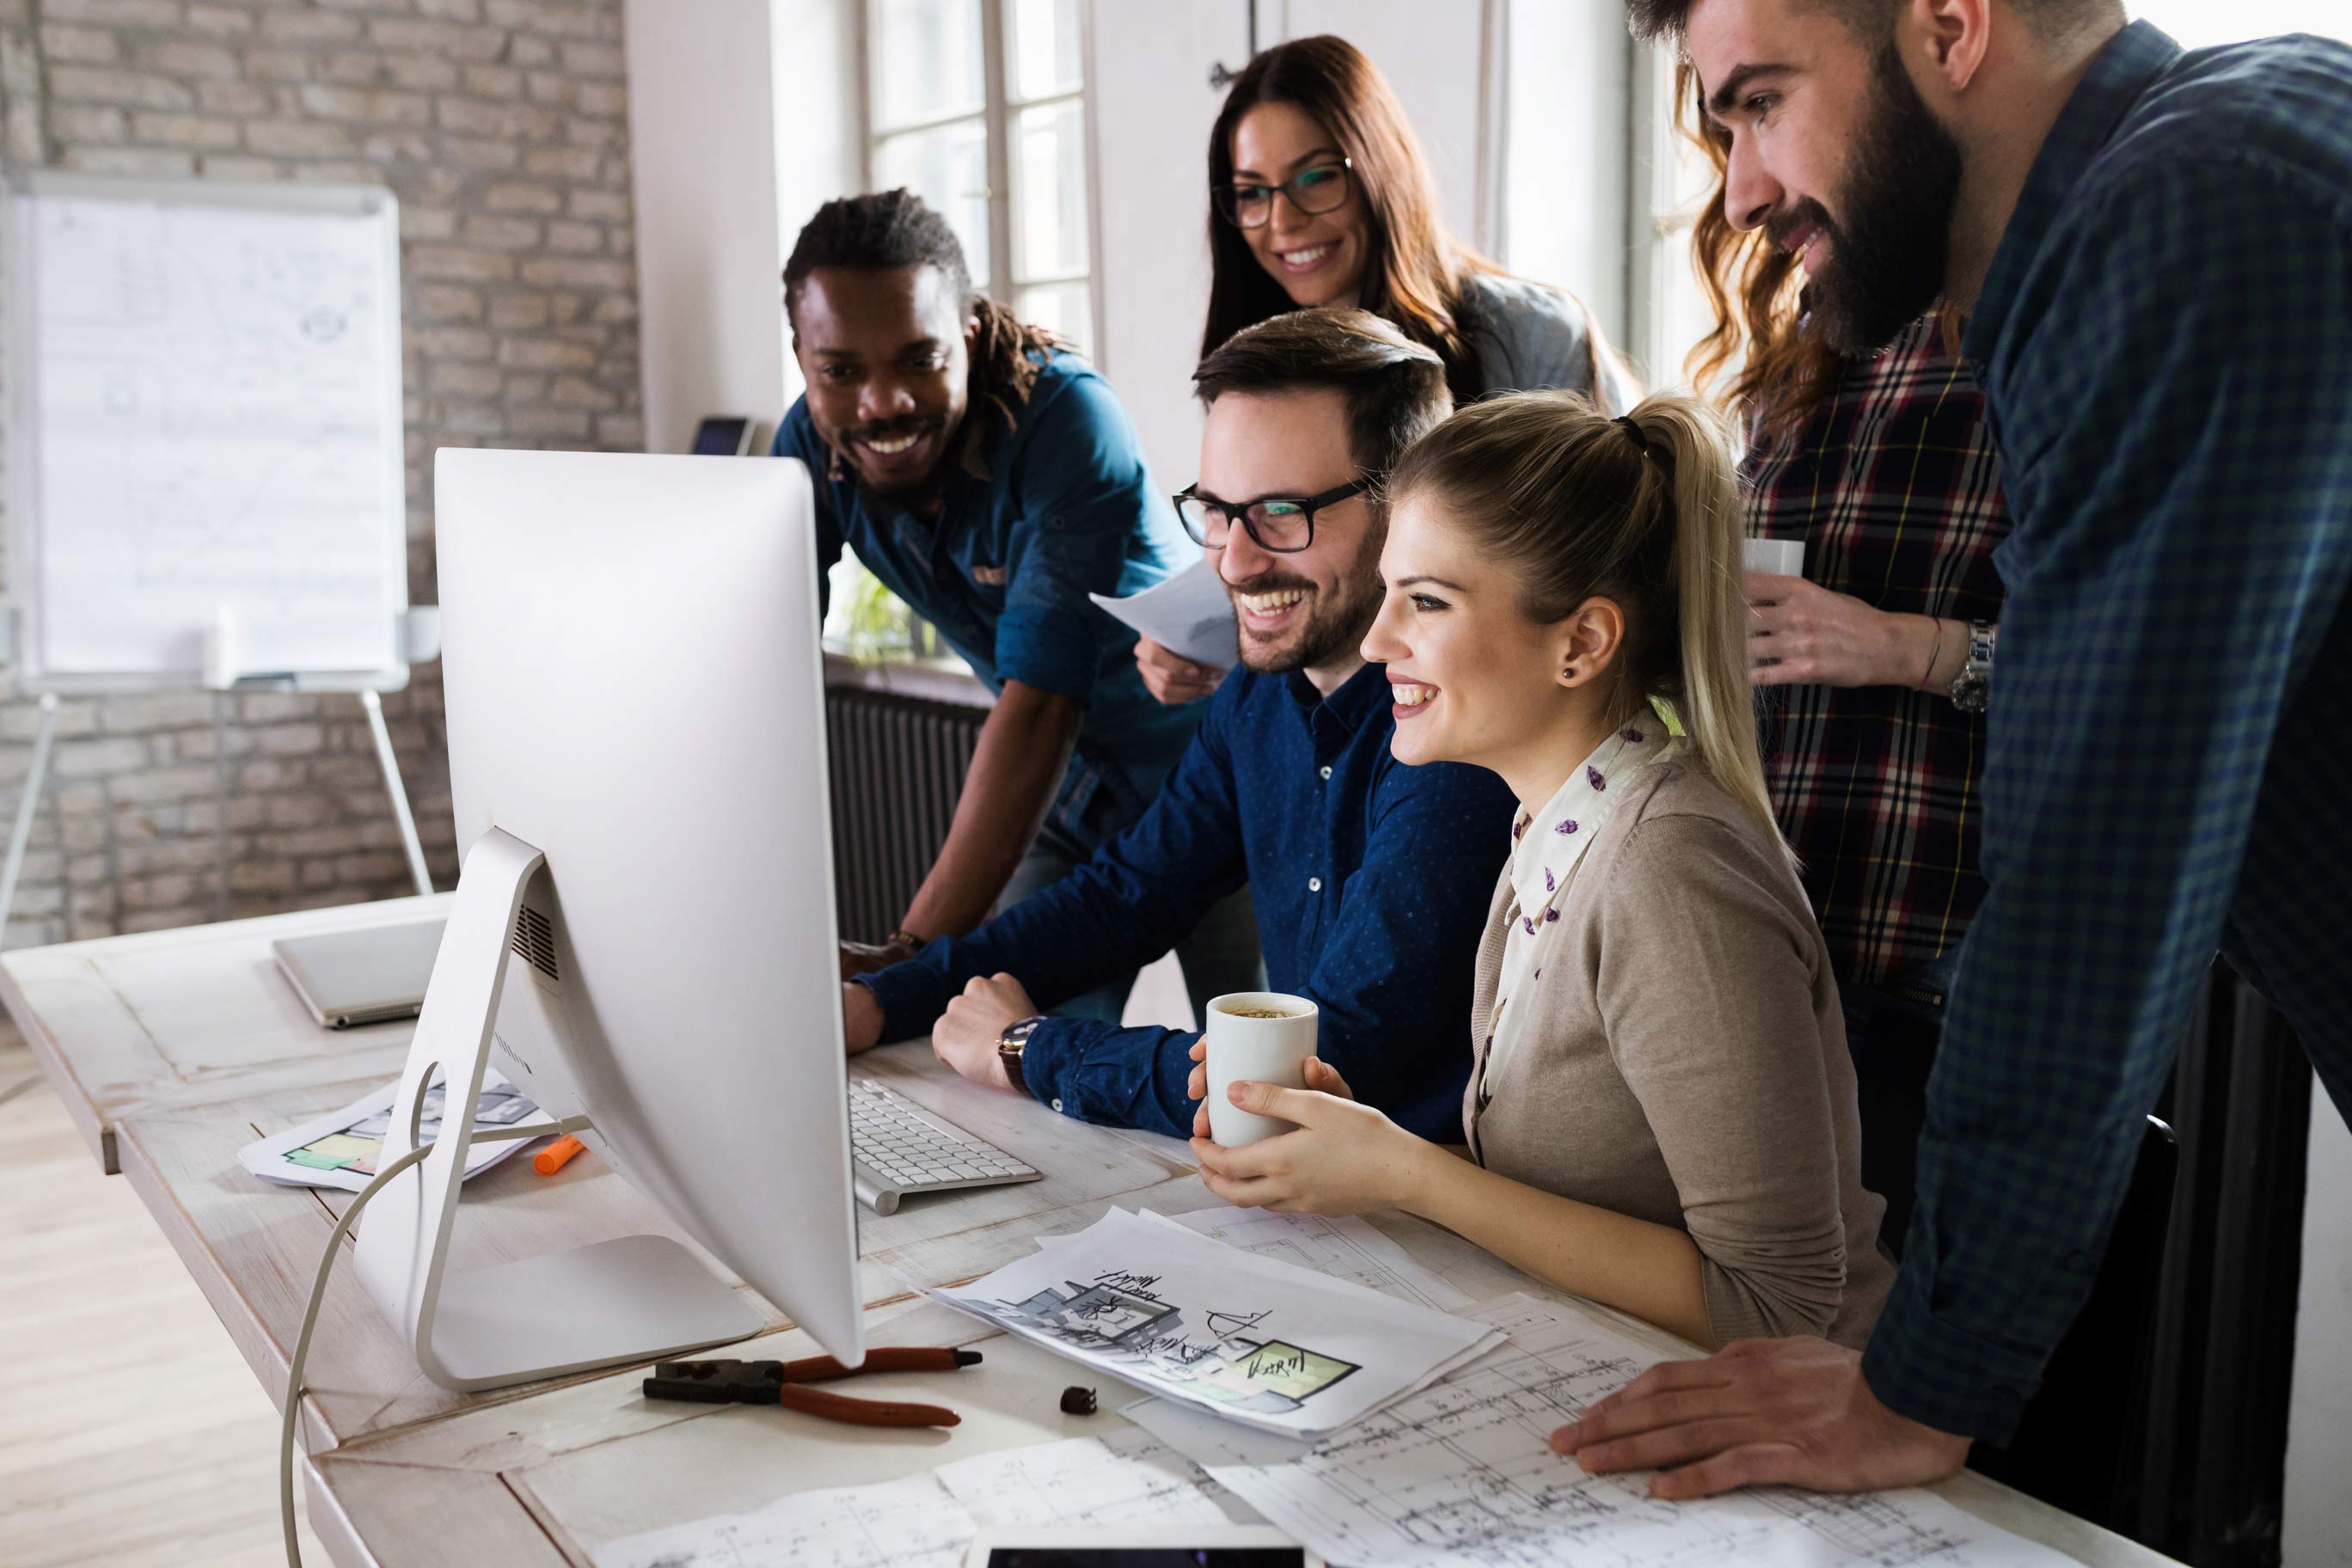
(1320, 196)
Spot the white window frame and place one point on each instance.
(1661, 212)
(999, 109)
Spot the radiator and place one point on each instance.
(897, 767)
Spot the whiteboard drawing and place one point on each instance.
(206, 420)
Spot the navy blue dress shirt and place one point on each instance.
(1371, 880)
(1069, 508)
(2165, 344)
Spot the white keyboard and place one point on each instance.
(896, 1148)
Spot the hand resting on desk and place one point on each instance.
(966, 1035)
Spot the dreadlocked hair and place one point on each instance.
(886, 230)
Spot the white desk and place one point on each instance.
(177, 1047)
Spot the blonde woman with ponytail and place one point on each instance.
(1661, 1111)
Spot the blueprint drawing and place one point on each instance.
(1460, 1473)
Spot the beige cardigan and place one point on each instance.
(1683, 1061)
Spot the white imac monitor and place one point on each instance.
(643, 932)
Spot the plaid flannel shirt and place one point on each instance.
(2165, 343)
(1894, 487)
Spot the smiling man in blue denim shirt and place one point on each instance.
(992, 481)
(1370, 878)
(2155, 252)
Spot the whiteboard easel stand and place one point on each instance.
(25, 802)
(417, 634)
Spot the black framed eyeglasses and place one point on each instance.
(1320, 189)
(1282, 524)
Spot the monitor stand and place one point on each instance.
(637, 1297)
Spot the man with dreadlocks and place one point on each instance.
(992, 480)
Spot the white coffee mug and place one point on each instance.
(1781, 557)
(1255, 1050)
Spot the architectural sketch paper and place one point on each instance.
(1189, 614)
(339, 1148)
(1256, 1340)
(1345, 1247)
(1125, 1478)
(1460, 1473)
(909, 1524)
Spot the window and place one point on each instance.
(1671, 177)
(979, 106)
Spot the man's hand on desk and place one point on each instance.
(1793, 1412)
(861, 1018)
(966, 1035)
(864, 958)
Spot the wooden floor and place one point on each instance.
(131, 1432)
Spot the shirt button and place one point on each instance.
(1314, 884)
(1325, 770)
(1058, 1104)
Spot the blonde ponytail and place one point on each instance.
(1717, 703)
(1643, 509)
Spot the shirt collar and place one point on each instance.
(1360, 697)
(2118, 74)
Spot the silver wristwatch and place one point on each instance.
(1974, 684)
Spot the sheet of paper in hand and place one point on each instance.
(1189, 614)
(1258, 1340)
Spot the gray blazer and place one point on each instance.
(1528, 338)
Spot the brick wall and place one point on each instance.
(501, 125)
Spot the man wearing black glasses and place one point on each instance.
(1371, 879)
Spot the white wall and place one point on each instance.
(1153, 108)
(706, 134)
(1565, 116)
(2318, 1514)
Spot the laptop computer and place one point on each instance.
(365, 976)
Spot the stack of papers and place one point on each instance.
(1457, 1470)
(1247, 1337)
(339, 1148)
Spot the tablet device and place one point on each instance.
(1153, 1546)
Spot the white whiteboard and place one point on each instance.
(204, 429)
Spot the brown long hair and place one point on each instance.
(1756, 290)
(1577, 504)
(1414, 269)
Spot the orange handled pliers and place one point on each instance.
(779, 1383)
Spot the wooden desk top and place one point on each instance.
(199, 1046)
(127, 1024)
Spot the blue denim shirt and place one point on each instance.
(2165, 344)
(1371, 881)
(1069, 508)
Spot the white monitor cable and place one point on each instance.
(293, 1411)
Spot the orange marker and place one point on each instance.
(550, 1160)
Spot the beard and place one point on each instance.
(1887, 263)
(1337, 618)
